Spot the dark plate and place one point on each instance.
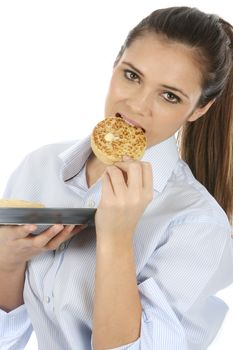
(47, 216)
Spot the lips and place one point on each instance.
(129, 121)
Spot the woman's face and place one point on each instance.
(157, 85)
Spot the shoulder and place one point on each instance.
(38, 165)
(50, 150)
(44, 156)
(192, 199)
(43, 160)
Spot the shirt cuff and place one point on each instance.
(132, 346)
(13, 322)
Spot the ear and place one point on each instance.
(200, 112)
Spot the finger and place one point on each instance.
(63, 235)
(42, 239)
(127, 158)
(124, 166)
(68, 232)
(135, 176)
(133, 169)
(117, 180)
(78, 228)
(147, 179)
(107, 189)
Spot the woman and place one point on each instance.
(145, 277)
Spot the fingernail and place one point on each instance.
(125, 158)
(57, 228)
(31, 228)
(84, 226)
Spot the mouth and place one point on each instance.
(129, 121)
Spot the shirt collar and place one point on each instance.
(162, 157)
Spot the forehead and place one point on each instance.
(164, 61)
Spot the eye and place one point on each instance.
(130, 75)
(170, 97)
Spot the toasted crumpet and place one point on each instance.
(112, 138)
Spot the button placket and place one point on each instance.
(91, 203)
(47, 300)
(49, 282)
(62, 247)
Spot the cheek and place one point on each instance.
(117, 90)
(171, 114)
(120, 88)
(114, 95)
(167, 119)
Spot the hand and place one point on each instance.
(126, 192)
(17, 245)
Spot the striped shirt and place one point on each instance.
(182, 246)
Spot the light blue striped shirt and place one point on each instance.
(183, 256)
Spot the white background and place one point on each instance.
(55, 64)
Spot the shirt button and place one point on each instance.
(91, 203)
(47, 300)
(62, 246)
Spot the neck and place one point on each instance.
(94, 169)
(95, 162)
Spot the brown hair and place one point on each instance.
(206, 144)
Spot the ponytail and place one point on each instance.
(206, 145)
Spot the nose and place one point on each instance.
(140, 103)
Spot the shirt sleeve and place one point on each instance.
(17, 178)
(15, 329)
(160, 327)
(177, 286)
(15, 326)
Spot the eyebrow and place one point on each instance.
(164, 86)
